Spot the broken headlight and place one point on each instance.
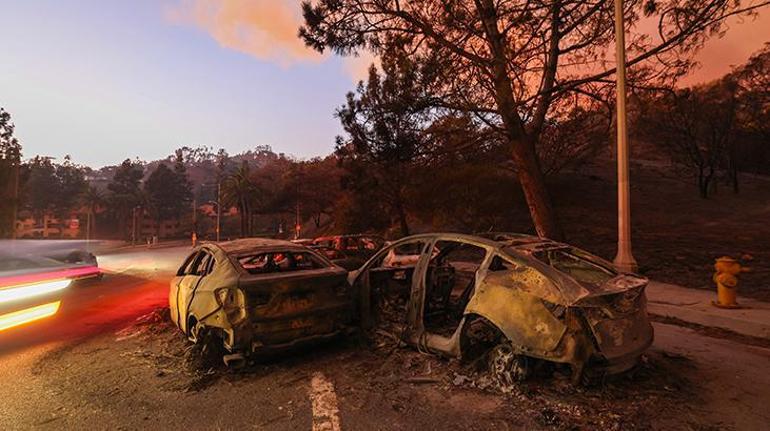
(231, 301)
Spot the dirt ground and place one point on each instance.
(676, 234)
(147, 376)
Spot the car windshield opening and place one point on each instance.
(280, 261)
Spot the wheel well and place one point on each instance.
(191, 322)
(477, 336)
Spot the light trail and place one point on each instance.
(13, 293)
(71, 273)
(28, 315)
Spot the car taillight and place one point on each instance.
(224, 296)
(231, 301)
(555, 309)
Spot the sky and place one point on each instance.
(105, 80)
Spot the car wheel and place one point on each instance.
(207, 349)
(506, 366)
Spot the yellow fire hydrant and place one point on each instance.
(726, 278)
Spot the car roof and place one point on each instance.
(517, 241)
(248, 245)
(352, 235)
(522, 242)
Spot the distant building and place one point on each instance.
(148, 228)
(48, 226)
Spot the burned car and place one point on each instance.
(348, 251)
(521, 302)
(259, 296)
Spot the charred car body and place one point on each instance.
(348, 251)
(536, 302)
(259, 295)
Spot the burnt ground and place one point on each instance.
(676, 234)
(147, 376)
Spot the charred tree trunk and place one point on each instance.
(704, 181)
(535, 192)
(404, 226)
(522, 146)
(732, 168)
(734, 179)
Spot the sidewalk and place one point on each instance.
(694, 306)
(126, 246)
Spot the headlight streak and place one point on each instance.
(13, 293)
(59, 274)
(28, 315)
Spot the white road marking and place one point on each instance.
(324, 403)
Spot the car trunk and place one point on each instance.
(617, 316)
(291, 306)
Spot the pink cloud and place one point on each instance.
(265, 29)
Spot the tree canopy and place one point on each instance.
(516, 64)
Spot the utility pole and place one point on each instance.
(297, 226)
(15, 212)
(133, 227)
(88, 226)
(194, 233)
(219, 207)
(624, 260)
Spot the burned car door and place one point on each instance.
(446, 278)
(450, 280)
(173, 294)
(385, 287)
(189, 283)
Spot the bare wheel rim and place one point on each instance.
(506, 366)
(195, 333)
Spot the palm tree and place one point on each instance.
(239, 190)
(92, 199)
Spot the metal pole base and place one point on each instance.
(625, 262)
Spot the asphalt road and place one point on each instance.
(82, 369)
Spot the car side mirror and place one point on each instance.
(353, 275)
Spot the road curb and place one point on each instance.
(694, 306)
(752, 329)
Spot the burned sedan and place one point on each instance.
(521, 302)
(259, 295)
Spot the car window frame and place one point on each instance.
(208, 264)
(312, 254)
(384, 251)
(189, 260)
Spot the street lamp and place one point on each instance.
(218, 205)
(133, 225)
(624, 260)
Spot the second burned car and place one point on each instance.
(520, 301)
(348, 251)
(259, 295)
